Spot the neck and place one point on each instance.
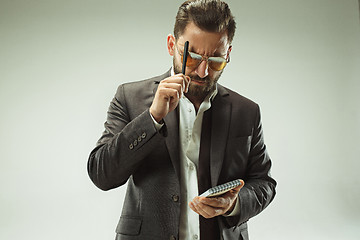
(195, 100)
(197, 96)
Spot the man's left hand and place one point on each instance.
(215, 206)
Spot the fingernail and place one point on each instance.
(218, 211)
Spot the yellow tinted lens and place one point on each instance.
(217, 63)
(193, 59)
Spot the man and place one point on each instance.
(174, 136)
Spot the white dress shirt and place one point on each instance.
(190, 134)
(190, 124)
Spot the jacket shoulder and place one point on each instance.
(141, 87)
(237, 99)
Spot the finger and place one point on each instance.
(196, 208)
(216, 208)
(178, 87)
(192, 207)
(240, 186)
(185, 80)
(216, 202)
(168, 93)
(237, 189)
(205, 210)
(171, 86)
(179, 78)
(188, 83)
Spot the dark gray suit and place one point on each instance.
(132, 149)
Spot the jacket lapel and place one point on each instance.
(172, 132)
(221, 109)
(172, 139)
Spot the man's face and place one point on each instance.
(203, 78)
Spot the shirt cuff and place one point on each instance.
(157, 125)
(236, 210)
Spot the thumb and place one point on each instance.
(237, 189)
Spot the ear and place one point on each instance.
(229, 50)
(171, 44)
(228, 53)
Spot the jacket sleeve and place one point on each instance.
(124, 144)
(259, 188)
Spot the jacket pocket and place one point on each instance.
(129, 225)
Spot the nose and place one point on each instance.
(202, 69)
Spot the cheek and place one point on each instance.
(177, 67)
(213, 75)
(217, 74)
(177, 61)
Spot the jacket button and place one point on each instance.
(131, 147)
(143, 135)
(172, 237)
(135, 142)
(139, 139)
(175, 198)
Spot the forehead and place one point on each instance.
(203, 42)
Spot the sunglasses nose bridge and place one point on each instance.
(203, 59)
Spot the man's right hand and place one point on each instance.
(168, 95)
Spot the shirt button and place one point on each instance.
(172, 237)
(191, 167)
(175, 198)
(196, 236)
(189, 110)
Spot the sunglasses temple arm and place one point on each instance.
(186, 47)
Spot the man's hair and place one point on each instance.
(208, 15)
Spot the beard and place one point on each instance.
(199, 91)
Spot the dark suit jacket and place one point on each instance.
(131, 149)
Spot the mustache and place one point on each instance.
(197, 78)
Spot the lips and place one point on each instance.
(197, 81)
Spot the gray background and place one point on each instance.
(60, 64)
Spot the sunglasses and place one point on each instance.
(193, 60)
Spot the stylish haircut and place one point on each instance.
(208, 15)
